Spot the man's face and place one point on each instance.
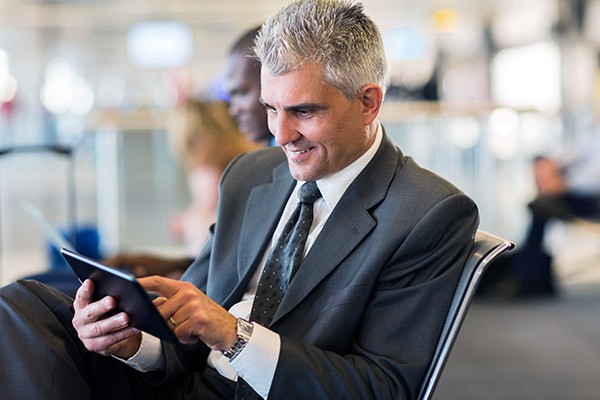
(243, 85)
(320, 130)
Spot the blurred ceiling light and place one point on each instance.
(405, 44)
(539, 134)
(412, 56)
(8, 83)
(8, 88)
(466, 82)
(55, 91)
(518, 22)
(466, 39)
(529, 76)
(82, 98)
(503, 137)
(160, 44)
(445, 20)
(464, 132)
(64, 90)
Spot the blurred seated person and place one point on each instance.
(564, 192)
(204, 138)
(242, 82)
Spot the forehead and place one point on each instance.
(302, 84)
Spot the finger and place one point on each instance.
(172, 306)
(104, 344)
(105, 327)
(186, 302)
(181, 319)
(95, 311)
(173, 323)
(163, 286)
(159, 301)
(83, 296)
(186, 332)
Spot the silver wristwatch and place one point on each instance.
(244, 332)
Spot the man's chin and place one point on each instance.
(303, 175)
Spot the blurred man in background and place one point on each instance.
(243, 85)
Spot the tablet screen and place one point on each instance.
(126, 290)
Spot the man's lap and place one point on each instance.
(49, 361)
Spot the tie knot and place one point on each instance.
(309, 192)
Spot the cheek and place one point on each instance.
(344, 143)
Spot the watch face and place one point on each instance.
(244, 332)
(245, 328)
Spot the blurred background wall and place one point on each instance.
(477, 90)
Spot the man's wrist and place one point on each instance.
(128, 347)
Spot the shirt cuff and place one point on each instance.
(257, 362)
(149, 356)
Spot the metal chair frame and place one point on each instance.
(486, 248)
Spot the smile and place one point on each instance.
(301, 151)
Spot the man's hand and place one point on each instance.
(191, 314)
(106, 336)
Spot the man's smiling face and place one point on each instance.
(320, 130)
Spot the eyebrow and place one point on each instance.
(297, 107)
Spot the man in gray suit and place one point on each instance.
(362, 313)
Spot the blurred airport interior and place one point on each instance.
(478, 89)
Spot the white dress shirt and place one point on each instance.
(257, 362)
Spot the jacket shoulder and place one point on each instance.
(257, 164)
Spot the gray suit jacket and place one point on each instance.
(363, 313)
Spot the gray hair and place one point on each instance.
(335, 34)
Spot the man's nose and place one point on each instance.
(283, 129)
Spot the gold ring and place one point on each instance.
(171, 320)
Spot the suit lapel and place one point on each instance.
(346, 227)
(264, 207)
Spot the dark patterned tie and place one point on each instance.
(283, 261)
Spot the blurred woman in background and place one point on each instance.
(204, 138)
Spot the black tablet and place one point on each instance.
(126, 290)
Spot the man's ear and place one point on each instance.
(371, 97)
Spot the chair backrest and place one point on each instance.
(486, 248)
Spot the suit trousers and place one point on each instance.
(41, 357)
